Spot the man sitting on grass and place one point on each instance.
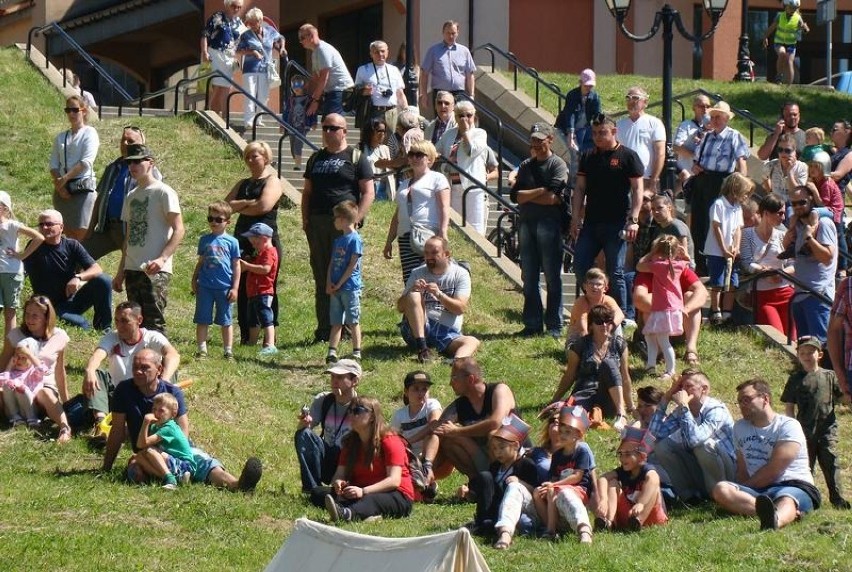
(134, 398)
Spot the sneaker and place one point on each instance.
(332, 507)
(228, 356)
(185, 478)
(33, 423)
(200, 354)
(528, 333)
(554, 333)
(602, 524)
(170, 486)
(374, 518)
(633, 524)
(252, 471)
(629, 324)
(424, 355)
(841, 504)
(330, 359)
(356, 356)
(429, 493)
(766, 512)
(19, 422)
(716, 318)
(267, 351)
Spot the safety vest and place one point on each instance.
(787, 30)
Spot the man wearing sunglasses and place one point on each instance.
(107, 235)
(61, 269)
(335, 173)
(816, 264)
(153, 231)
(445, 117)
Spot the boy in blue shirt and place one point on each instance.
(344, 280)
(215, 279)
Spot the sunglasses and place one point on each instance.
(332, 128)
(48, 224)
(633, 97)
(460, 115)
(217, 219)
(801, 203)
(131, 128)
(785, 150)
(72, 110)
(359, 410)
(135, 161)
(416, 155)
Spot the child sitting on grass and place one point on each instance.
(810, 395)
(343, 282)
(21, 381)
(260, 286)
(562, 499)
(216, 279)
(629, 497)
(164, 449)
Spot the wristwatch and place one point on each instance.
(633, 220)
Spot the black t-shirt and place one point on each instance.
(51, 267)
(608, 175)
(334, 178)
(551, 173)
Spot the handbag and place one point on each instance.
(349, 100)
(272, 74)
(80, 185)
(420, 233)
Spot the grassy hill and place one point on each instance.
(58, 513)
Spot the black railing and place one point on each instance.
(804, 289)
(530, 71)
(55, 28)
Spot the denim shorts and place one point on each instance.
(345, 307)
(205, 300)
(437, 335)
(716, 268)
(803, 501)
(261, 311)
(10, 289)
(204, 463)
(177, 467)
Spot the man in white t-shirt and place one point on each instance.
(774, 480)
(644, 134)
(433, 305)
(154, 229)
(330, 77)
(118, 347)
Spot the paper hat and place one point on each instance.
(576, 417)
(513, 429)
(643, 439)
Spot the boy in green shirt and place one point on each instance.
(164, 449)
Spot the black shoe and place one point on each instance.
(841, 504)
(252, 471)
(633, 524)
(766, 512)
(320, 337)
(424, 355)
(529, 333)
(602, 524)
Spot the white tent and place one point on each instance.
(315, 547)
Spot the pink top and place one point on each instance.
(48, 353)
(30, 378)
(666, 293)
(832, 198)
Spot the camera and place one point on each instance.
(387, 92)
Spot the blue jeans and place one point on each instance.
(332, 102)
(597, 236)
(317, 459)
(800, 497)
(97, 294)
(541, 251)
(810, 316)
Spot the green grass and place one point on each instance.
(58, 513)
(819, 108)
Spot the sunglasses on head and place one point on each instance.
(332, 128)
(359, 409)
(218, 219)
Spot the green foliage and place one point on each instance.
(59, 513)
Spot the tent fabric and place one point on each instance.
(315, 547)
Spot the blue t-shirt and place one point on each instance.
(345, 247)
(51, 266)
(128, 400)
(251, 41)
(582, 458)
(217, 252)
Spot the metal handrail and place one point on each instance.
(804, 289)
(530, 71)
(55, 27)
(475, 185)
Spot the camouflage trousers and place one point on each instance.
(150, 292)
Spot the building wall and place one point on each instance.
(549, 34)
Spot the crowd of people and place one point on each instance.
(681, 445)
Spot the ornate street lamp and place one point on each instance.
(668, 17)
(744, 63)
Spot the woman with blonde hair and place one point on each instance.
(372, 477)
(255, 199)
(72, 163)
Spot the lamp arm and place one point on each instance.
(686, 34)
(658, 19)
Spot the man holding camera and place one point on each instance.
(538, 190)
(606, 205)
(383, 84)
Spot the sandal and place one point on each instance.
(64, 435)
(504, 540)
(691, 358)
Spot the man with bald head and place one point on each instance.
(338, 172)
(330, 77)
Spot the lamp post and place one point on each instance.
(668, 18)
(744, 63)
(410, 76)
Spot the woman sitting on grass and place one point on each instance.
(372, 479)
(40, 324)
